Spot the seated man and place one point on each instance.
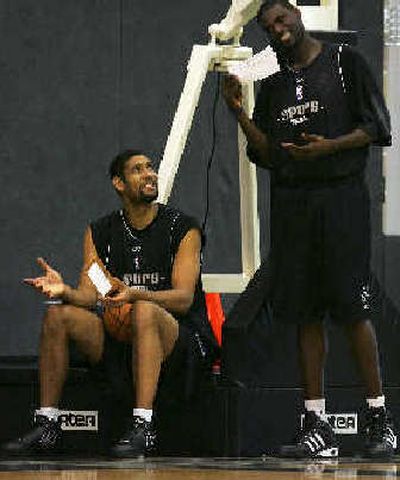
(151, 255)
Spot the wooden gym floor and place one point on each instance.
(267, 468)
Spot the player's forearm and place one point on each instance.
(174, 301)
(256, 139)
(358, 138)
(79, 297)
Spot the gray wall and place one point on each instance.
(81, 80)
(84, 78)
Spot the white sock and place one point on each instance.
(50, 412)
(376, 402)
(317, 406)
(145, 413)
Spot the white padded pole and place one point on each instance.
(197, 71)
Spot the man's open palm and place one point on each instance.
(50, 284)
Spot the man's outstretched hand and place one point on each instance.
(50, 284)
(316, 146)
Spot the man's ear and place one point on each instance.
(297, 11)
(118, 184)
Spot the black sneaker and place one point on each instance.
(139, 440)
(315, 439)
(44, 437)
(380, 439)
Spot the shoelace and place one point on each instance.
(134, 425)
(377, 426)
(307, 429)
(49, 434)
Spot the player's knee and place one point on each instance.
(359, 325)
(58, 318)
(55, 318)
(143, 314)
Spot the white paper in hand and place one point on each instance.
(99, 279)
(259, 66)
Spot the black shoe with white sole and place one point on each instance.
(43, 438)
(315, 440)
(380, 437)
(138, 440)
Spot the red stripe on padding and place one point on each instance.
(216, 315)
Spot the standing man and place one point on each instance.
(156, 309)
(312, 126)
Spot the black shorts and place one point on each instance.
(320, 252)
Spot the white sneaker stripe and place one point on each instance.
(320, 439)
(310, 445)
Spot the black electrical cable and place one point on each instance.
(212, 152)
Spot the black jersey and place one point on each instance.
(331, 97)
(144, 258)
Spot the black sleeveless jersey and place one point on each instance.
(332, 96)
(144, 258)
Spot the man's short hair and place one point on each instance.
(117, 165)
(267, 4)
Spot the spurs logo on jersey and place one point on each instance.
(143, 281)
(299, 114)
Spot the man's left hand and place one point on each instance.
(316, 146)
(119, 294)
